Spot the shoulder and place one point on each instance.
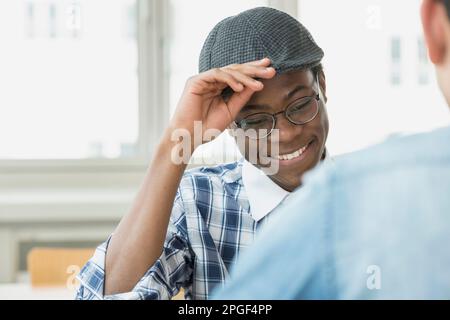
(200, 184)
(398, 153)
(210, 179)
(378, 178)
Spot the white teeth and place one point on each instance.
(292, 155)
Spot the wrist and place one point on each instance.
(176, 146)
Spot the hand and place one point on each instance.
(201, 99)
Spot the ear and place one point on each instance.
(323, 85)
(434, 18)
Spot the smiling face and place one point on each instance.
(301, 147)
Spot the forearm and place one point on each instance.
(139, 238)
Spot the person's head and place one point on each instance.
(299, 85)
(436, 26)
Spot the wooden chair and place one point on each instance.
(49, 267)
(59, 266)
(179, 296)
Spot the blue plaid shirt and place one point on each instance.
(210, 224)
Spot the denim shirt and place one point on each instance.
(373, 225)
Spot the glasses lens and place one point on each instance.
(257, 125)
(303, 110)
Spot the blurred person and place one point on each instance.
(374, 225)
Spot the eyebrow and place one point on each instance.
(288, 96)
(294, 91)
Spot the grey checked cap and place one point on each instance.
(258, 33)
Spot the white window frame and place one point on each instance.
(288, 6)
(60, 200)
(154, 109)
(73, 200)
(153, 104)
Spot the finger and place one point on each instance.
(244, 79)
(239, 100)
(253, 71)
(215, 76)
(262, 62)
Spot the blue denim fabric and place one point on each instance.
(375, 224)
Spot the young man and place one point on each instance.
(375, 225)
(186, 228)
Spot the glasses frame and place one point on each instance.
(315, 96)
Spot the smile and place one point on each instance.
(294, 154)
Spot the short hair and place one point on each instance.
(317, 70)
(447, 6)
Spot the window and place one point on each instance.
(69, 78)
(423, 77)
(364, 56)
(191, 21)
(396, 60)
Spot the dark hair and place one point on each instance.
(447, 6)
(316, 70)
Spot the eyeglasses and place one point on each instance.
(299, 112)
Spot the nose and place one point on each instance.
(287, 131)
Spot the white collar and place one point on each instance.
(263, 194)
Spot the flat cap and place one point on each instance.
(258, 33)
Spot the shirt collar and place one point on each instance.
(263, 194)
